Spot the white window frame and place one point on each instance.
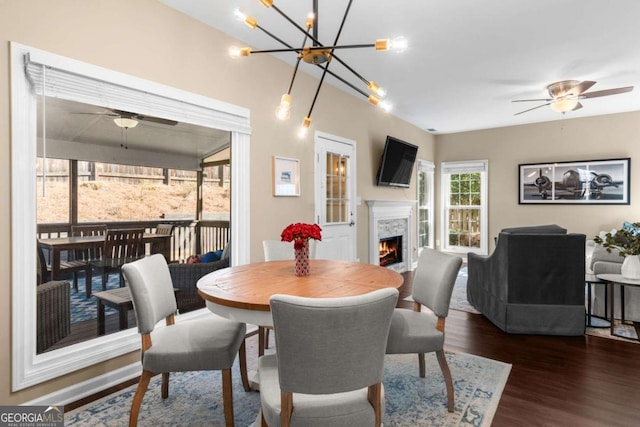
(472, 166)
(426, 167)
(29, 368)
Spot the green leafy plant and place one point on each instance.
(626, 240)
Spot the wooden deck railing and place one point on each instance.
(189, 237)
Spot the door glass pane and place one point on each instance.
(337, 203)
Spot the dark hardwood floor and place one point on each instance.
(554, 381)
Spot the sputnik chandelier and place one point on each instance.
(319, 55)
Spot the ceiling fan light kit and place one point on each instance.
(125, 122)
(566, 95)
(319, 55)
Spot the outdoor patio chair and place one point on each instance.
(415, 331)
(72, 267)
(120, 247)
(204, 344)
(89, 230)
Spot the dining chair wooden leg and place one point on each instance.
(286, 408)
(374, 396)
(242, 355)
(227, 397)
(263, 422)
(421, 364)
(137, 398)
(444, 366)
(165, 385)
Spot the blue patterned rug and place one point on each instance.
(83, 308)
(195, 398)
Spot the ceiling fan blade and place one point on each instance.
(577, 107)
(156, 120)
(534, 108)
(606, 92)
(532, 100)
(581, 87)
(98, 114)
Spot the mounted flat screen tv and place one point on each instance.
(397, 163)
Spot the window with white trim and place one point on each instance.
(465, 202)
(425, 204)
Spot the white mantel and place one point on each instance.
(385, 211)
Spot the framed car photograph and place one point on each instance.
(597, 182)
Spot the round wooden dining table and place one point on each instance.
(242, 292)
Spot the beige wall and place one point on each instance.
(591, 138)
(146, 39)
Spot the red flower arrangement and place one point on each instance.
(299, 232)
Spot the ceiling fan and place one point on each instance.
(125, 119)
(567, 94)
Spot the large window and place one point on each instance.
(425, 204)
(464, 192)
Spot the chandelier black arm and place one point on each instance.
(326, 68)
(295, 49)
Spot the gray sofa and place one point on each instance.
(533, 283)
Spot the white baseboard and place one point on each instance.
(87, 388)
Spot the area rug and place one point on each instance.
(195, 398)
(83, 308)
(459, 295)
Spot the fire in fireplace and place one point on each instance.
(390, 250)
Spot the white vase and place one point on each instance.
(631, 267)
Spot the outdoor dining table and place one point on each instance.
(59, 244)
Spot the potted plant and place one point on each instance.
(627, 242)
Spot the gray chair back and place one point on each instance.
(433, 280)
(331, 345)
(149, 282)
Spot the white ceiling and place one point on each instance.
(467, 59)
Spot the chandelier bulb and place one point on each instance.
(283, 112)
(375, 88)
(267, 3)
(311, 17)
(237, 52)
(399, 44)
(386, 107)
(304, 129)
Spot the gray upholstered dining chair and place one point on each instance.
(415, 331)
(330, 361)
(197, 345)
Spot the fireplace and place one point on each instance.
(390, 250)
(390, 234)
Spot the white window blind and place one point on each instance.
(63, 83)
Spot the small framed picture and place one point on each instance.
(286, 176)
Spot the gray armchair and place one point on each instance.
(533, 283)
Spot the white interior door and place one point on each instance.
(335, 196)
